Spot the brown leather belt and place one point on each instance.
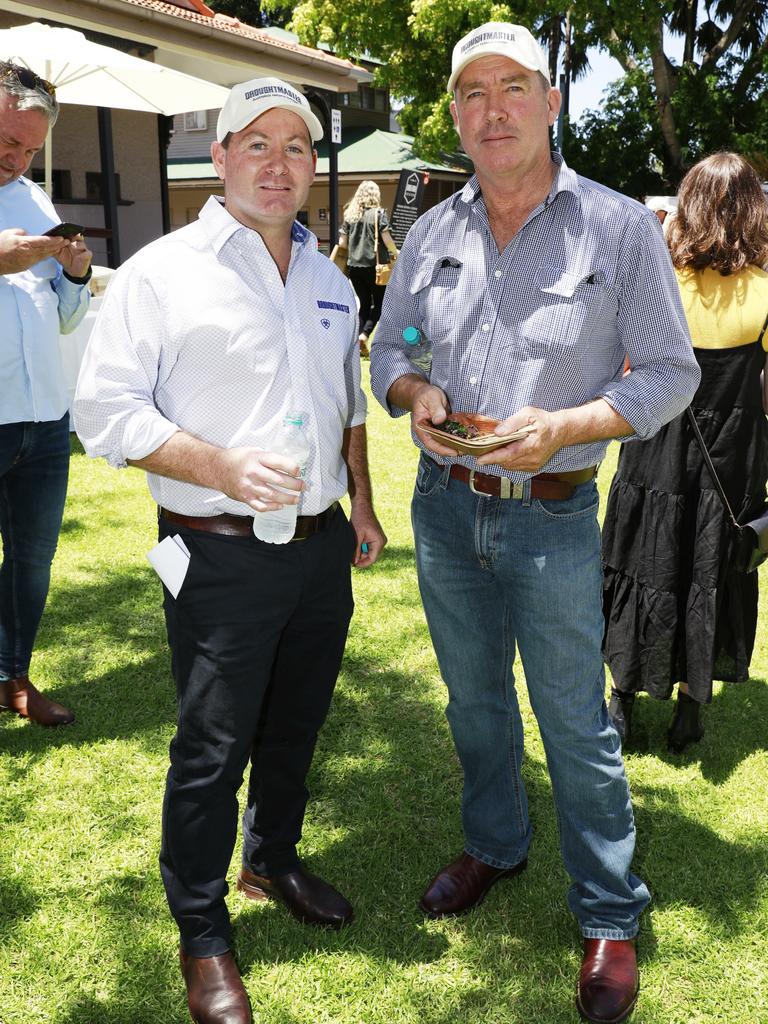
(242, 526)
(554, 486)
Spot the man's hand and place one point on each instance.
(594, 421)
(430, 403)
(75, 256)
(532, 452)
(20, 251)
(369, 533)
(260, 479)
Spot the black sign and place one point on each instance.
(410, 196)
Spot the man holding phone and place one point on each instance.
(43, 291)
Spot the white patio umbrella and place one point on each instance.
(100, 76)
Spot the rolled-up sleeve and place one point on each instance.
(114, 409)
(73, 300)
(399, 309)
(651, 323)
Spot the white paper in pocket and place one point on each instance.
(170, 560)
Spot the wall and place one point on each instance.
(75, 141)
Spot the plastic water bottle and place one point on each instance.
(417, 349)
(279, 526)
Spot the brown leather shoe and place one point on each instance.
(308, 898)
(608, 982)
(463, 885)
(215, 990)
(21, 696)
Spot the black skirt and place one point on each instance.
(674, 612)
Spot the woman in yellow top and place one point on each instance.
(674, 611)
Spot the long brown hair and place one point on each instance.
(722, 217)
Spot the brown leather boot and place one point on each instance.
(21, 696)
(215, 990)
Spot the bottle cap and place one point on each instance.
(411, 335)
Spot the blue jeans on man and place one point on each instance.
(499, 574)
(34, 469)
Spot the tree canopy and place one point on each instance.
(657, 120)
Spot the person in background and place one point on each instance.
(364, 219)
(674, 611)
(663, 206)
(207, 339)
(531, 285)
(43, 291)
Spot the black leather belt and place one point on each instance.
(242, 526)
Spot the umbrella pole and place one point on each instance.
(108, 190)
(49, 164)
(49, 146)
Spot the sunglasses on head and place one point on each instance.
(25, 77)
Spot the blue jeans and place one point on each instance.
(499, 573)
(34, 467)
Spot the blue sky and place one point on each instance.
(586, 94)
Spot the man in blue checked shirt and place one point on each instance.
(43, 291)
(532, 285)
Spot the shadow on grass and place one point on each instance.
(734, 724)
(383, 817)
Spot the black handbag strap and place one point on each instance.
(765, 327)
(710, 465)
(708, 457)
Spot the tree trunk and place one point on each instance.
(664, 87)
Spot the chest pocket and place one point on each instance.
(436, 283)
(575, 312)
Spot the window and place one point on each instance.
(61, 181)
(196, 121)
(93, 186)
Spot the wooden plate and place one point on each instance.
(486, 441)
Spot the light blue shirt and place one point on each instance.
(548, 322)
(35, 306)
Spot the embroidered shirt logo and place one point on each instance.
(325, 322)
(322, 304)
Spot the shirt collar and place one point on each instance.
(565, 180)
(220, 226)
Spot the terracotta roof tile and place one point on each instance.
(234, 27)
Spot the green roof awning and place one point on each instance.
(368, 151)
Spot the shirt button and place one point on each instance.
(497, 273)
(473, 380)
(486, 327)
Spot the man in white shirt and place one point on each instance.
(43, 291)
(207, 339)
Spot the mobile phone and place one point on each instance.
(64, 230)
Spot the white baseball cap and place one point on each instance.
(497, 39)
(251, 99)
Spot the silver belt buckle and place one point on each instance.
(508, 489)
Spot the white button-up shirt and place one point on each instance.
(35, 306)
(199, 333)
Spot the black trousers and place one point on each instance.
(370, 294)
(257, 635)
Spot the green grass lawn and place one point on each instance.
(85, 935)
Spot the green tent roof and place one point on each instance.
(362, 151)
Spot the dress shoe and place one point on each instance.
(308, 898)
(215, 990)
(608, 982)
(463, 885)
(21, 696)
